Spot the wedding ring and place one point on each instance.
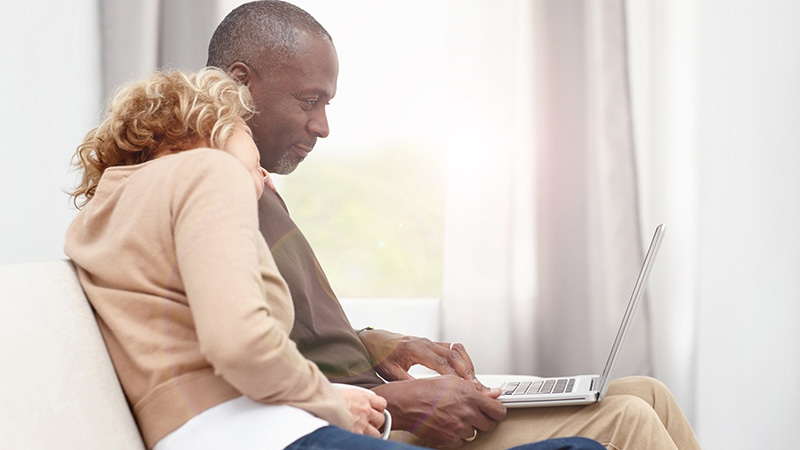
(451, 345)
(474, 435)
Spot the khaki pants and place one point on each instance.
(637, 413)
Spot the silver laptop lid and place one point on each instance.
(633, 304)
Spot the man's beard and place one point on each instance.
(285, 164)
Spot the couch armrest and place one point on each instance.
(58, 386)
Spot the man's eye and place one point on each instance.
(311, 102)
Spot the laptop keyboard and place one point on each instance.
(546, 386)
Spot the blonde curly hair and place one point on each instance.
(167, 112)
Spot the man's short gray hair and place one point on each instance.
(261, 31)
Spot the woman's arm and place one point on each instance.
(239, 302)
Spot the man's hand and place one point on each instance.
(393, 354)
(366, 407)
(442, 411)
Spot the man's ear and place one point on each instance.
(241, 72)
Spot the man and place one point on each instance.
(290, 65)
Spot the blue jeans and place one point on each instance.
(333, 438)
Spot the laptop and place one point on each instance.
(527, 392)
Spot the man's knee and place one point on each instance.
(630, 411)
(652, 384)
(647, 388)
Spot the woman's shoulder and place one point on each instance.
(201, 163)
(200, 157)
(205, 169)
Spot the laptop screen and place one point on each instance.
(633, 303)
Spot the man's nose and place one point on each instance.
(318, 125)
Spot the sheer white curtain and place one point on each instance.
(664, 48)
(542, 237)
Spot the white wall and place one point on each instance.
(749, 167)
(50, 79)
(717, 90)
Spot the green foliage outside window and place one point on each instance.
(375, 218)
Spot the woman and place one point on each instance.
(191, 306)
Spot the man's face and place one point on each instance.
(291, 104)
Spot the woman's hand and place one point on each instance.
(366, 407)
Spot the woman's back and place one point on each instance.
(177, 231)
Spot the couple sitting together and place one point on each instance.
(221, 325)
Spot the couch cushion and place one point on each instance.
(57, 384)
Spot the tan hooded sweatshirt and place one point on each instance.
(189, 301)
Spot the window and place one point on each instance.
(370, 197)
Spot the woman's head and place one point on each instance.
(165, 113)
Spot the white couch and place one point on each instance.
(58, 388)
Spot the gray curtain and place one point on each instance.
(589, 237)
(140, 36)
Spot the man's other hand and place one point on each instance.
(393, 355)
(443, 410)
